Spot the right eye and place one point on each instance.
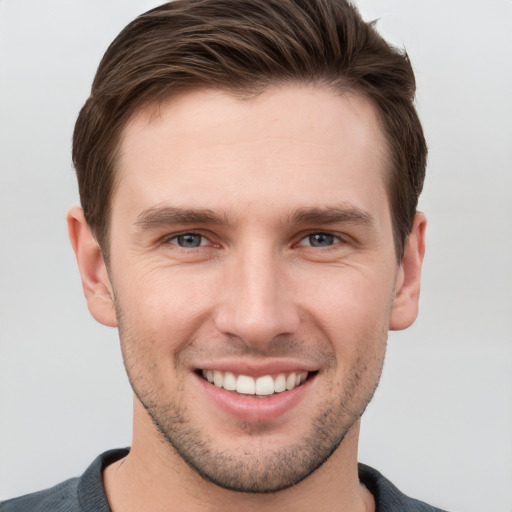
(189, 240)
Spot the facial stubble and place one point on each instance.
(257, 469)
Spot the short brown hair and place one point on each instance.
(244, 47)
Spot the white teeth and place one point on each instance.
(229, 381)
(280, 383)
(290, 381)
(263, 386)
(245, 385)
(218, 378)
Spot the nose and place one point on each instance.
(257, 301)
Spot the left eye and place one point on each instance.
(189, 240)
(319, 240)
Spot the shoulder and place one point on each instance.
(389, 498)
(61, 498)
(82, 494)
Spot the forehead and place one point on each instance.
(287, 145)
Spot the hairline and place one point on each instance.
(153, 104)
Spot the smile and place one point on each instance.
(261, 386)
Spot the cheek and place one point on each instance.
(164, 306)
(350, 297)
(353, 313)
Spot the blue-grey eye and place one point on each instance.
(321, 240)
(188, 240)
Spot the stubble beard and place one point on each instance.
(260, 470)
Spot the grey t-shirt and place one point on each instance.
(86, 493)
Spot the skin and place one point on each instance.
(272, 172)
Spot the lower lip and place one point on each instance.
(252, 408)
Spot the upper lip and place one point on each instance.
(257, 368)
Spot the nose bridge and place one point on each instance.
(257, 303)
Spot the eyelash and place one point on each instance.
(172, 238)
(336, 240)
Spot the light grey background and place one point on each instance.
(440, 426)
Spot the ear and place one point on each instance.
(407, 290)
(95, 281)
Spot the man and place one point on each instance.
(249, 175)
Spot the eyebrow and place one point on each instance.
(332, 215)
(159, 216)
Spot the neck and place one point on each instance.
(154, 477)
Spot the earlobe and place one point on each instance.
(407, 291)
(95, 280)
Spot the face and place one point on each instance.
(254, 277)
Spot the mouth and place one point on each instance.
(256, 394)
(262, 386)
